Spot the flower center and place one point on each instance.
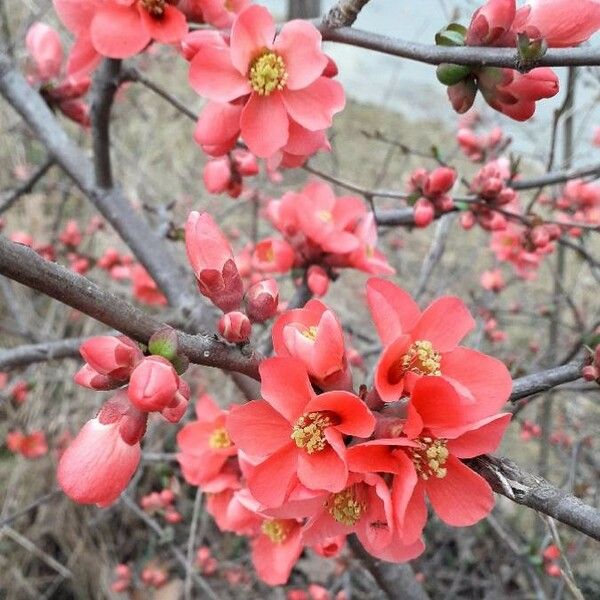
(275, 530)
(219, 439)
(267, 73)
(310, 333)
(429, 459)
(308, 431)
(345, 507)
(325, 216)
(155, 7)
(422, 359)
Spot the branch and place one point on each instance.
(396, 581)
(145, 244)
(22, 264)
(545, 380)
(344, 13)
(13, 195)
(508, 479)
(106, 83)
(22, 356)
(475, 56)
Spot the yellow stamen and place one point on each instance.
(429, 459)
(345, 508)
(310, 333)
(308, 432)
(155, 7)
(267, 73)
(325, 216)
(275, 530)
(422, 359)
(219, 439)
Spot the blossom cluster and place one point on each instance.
(98, 464)
(312, 462)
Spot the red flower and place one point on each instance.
(278, 80)
(205, 444)
(33, 445)
(313, 335)
(426, 343)
(119, 28)
(297, 434)
(429, 462)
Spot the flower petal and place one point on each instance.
(117, 31)
(252, 32)
(264, 124)
(355, 417)
(324, 470)
(285, 386)
(299, 44)
(170, 28)
(462, 497)
(313, 107)
(444, 323)
(393, 310)
(270, 481)
(213, 76)
(257, 428)
(485, 436)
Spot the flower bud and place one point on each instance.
(89, 378)
(235, 327)
(262, 300)
(450, 74)
(467, 220)
(217, 175)
(439, 181)
(164, 343)
(462, 95)
(153, 384)
(317, 280)
(112, 356)
(423, 212)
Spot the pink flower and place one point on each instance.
(313, 335)
(71, 234)
(120, 28)
(560, 22)
(425, 343)
(98, 464)
(211, 258)
(30, 446)
(45, 49)
(205, 445)
(153, 384)
(492, 280)
(144, 287)
(297, 435)
(273, 255)
(278, 76)
(429, 462)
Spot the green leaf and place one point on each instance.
(452, 35)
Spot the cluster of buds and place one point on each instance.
(580, 202)
(312, 462)
(205, 561)
(506, 90)
(162, 503)
(551, 558)
(122, 578)
(490, 187)
(492, 281)
(225, 174)
(430, 193)
(219, 279)
(98, 464)
(530, 431)
(478, 147)
(154, 576)
(45, 53)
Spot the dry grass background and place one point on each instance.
(62, 551)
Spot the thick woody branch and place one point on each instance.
(508, 479)
(22, 264)
(106, 83)
(146, 245)
(545, 380)
(463, 55)
(396, 581)
(343, 14)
